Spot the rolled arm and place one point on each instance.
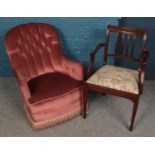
(92, 58)
(142, 67)
(70, 67)
(73, 68)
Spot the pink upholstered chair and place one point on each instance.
(51, 83)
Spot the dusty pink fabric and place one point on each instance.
(51, 85)
(34, 51)
(56, 103)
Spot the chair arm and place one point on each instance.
(70, 67)
(141, 69)
(92, 59)
(23, 85)
(73, 68)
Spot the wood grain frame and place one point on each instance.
(129, 56)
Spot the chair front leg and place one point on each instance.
(134, 112)
(84, 101)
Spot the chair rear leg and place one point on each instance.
(134, 112)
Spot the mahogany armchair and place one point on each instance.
(120, 81)
(51, 83)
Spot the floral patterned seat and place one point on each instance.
(118, 78)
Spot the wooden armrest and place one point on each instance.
(92, 58)
(100, 45)
(144, 56)
(141, 69)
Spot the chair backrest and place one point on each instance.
(125, 43)
(33, 49)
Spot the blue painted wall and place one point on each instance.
(149, 24)
(78, 37)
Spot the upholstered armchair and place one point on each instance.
(50, 82)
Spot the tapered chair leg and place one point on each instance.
(84, 102)
(134, 111)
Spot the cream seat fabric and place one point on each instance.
(118, 78)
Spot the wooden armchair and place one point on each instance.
(120, 81)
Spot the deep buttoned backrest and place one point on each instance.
(33, 49)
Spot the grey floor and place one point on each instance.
(107, 115)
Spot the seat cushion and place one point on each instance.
(51, 85)
(118, 78)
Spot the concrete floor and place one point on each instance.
(107, 115)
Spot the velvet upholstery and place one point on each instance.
(51, 85)
(50, 82)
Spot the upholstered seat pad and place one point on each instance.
(118, 78)
(51, 85)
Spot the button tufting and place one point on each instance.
(39, 47)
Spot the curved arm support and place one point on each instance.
(141, 69)
(92, 59)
